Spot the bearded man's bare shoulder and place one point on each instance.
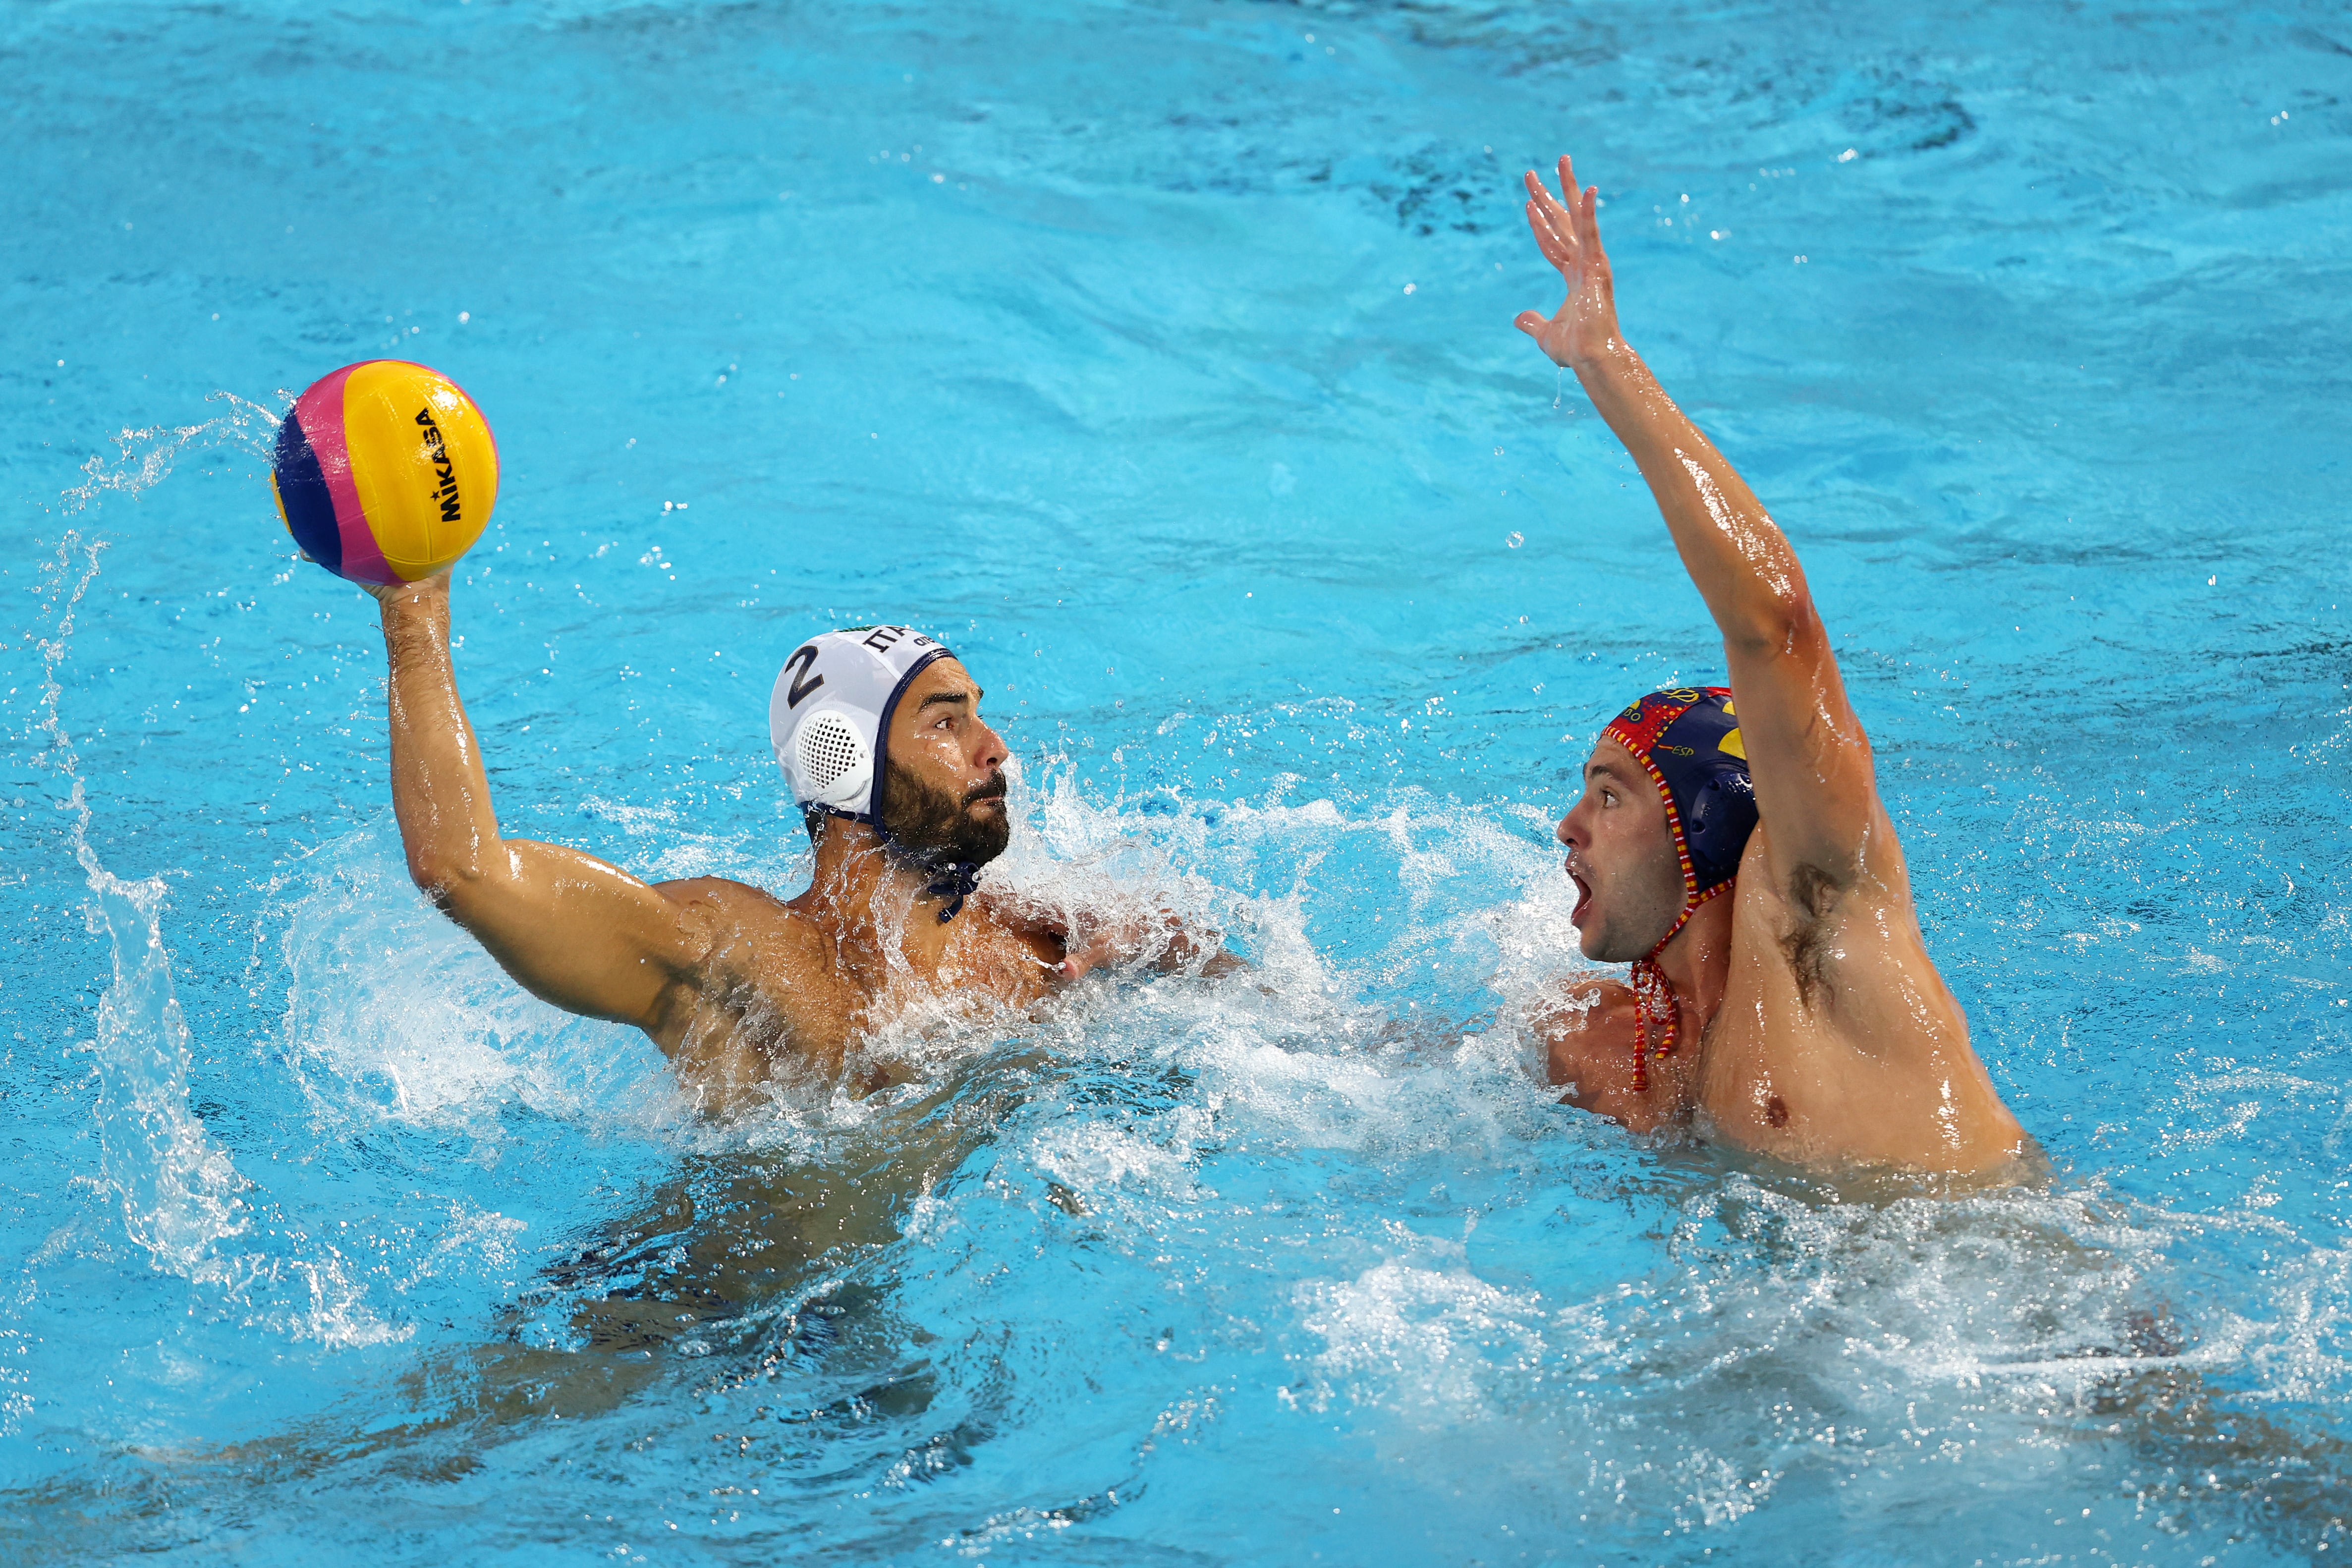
(1014, 912)
(725, 916)
(721, 896)
(764, 983)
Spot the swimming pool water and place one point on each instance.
(1158, 357)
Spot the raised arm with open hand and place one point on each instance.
(1585, 326)
(1824, 1032)
(1810, 759)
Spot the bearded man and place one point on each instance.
(1730, 844)
(902, 786)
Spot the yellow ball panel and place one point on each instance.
(423, 462)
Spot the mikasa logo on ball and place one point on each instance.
(438, 453)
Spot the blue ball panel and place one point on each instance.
(309, 505)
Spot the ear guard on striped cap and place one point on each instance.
(1689, 738)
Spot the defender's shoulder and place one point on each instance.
(1591, 1032)
(1578, 1002)
(1584, 1022)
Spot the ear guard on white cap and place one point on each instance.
(830, 712)
(831, 762)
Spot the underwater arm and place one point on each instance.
(571, 929)
(1806, 749)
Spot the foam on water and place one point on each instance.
(463, 1044)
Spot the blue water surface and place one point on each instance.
(1158, 356)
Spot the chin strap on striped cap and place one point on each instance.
(1654, 998)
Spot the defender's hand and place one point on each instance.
(1586, 324)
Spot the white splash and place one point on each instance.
(143, 457)
(178, 1191)
(394, 1015)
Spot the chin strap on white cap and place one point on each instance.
(830, 713)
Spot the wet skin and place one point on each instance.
(732, 982)
(1812, 1024)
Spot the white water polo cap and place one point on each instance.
(830, 713)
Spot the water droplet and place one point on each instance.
(1515, 540)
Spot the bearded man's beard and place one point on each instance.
(942, 829)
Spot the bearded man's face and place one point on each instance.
(941, 827)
